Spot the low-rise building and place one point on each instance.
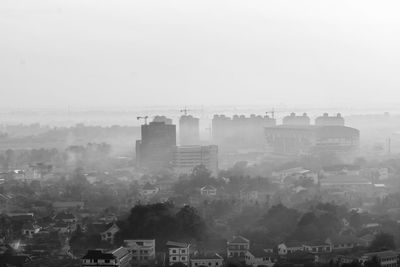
(143, 251)
(208, 191)
(289, 247)
(186, 158)
(316, 247)
(386, 258)
(237, 247)
(30, 229)
(208, 260)
(109, 234)
(120, 257)
(65, 217)
(260, 257)
(149, 190)
(177, 253)
(341, 242)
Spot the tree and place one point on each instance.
(374, 262)
(382, 241)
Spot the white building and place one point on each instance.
(208, 191)
(178, 252)
(188, 157)
(120, 257)
(237, 247)
(214, 260)
(149, 190)
(289, 248)
(143, 251)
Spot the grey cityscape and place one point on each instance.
(184, 133)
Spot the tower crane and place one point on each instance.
(185, 111)
(143, 118)
(272, 112)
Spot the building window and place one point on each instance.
(107, 261)
(183, 251)
(174, 251)
(174, 258)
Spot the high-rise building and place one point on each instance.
(188, 157)
(156, 148)
(189, 133)
(240, 132)
(326, 120)
(297, 136)
(293, 119)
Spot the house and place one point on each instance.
(341, 242)
(237, 247)
(317, 246)
(143, 251)
(67, 205)
(296, 173)
(62, 227)
(259, 257)
(177, 252)
(341, 169)
(249, 196)
(149, 190)
(209, 260)
(65, 217)
(109, 234)
(29, 229)
(386, 258)
(289, 247)
(208, 191)
(120, 257)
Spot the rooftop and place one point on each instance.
(177, 244)
(239, 239)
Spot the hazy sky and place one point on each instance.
(126, 52)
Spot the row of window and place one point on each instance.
(176, 258)
(176, 251)
(209, 264)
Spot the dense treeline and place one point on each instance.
(163, 222)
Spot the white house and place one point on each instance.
(177, 252)
(208, 191)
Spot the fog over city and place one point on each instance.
(171, 133)
(97, 53)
